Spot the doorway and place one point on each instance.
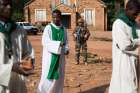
(66, 21)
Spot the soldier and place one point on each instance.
(81, 35)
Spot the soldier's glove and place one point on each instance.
(67, 52)
(62, 44)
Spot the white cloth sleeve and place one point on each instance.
(137, 41)
(30, 49)
(27, 46)
(122, 40)
(5, 73)
(22, 43)
(51, 45)
(5, 67)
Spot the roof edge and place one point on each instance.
(29, 2)
(102, 3)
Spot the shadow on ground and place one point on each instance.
(94, 58)
(102, 39)
(100, 89)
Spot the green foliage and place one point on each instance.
(112, 11)
(18, 13)
(18, 16)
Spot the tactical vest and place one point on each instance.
(80, 33)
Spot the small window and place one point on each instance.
(67, 2)
(40, 15)
(89, 16)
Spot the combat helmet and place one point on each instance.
(80, 20)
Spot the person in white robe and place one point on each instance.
(22, 49)
(138, 30)
(52, 81)
(11, 37)
(126, 40)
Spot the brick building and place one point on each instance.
(93, 11)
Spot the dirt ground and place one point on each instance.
(93, 78)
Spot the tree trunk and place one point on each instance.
(117, 6)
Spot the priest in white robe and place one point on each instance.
(55, 44)
(138, 29)
(14, 82)
(12, 39)
(22, 49)
(125, 51)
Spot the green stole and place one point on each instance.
(122, 16)
(7, 32)
(57, 35)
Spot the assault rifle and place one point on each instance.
(79, 35)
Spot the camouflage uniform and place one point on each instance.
(81, 35)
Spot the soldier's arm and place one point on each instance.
(74, 34)
(74, 31)
(87, 34)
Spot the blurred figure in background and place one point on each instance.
(81, 35)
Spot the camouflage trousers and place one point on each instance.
(78, 47)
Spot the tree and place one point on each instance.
(18, 6)
(113, 8)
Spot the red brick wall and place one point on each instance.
(38, 4)
(99, 12)
(45, 4)
(71, 11)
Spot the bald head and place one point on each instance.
(132, 8)
(5, 9)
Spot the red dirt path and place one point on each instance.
(93, 78)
